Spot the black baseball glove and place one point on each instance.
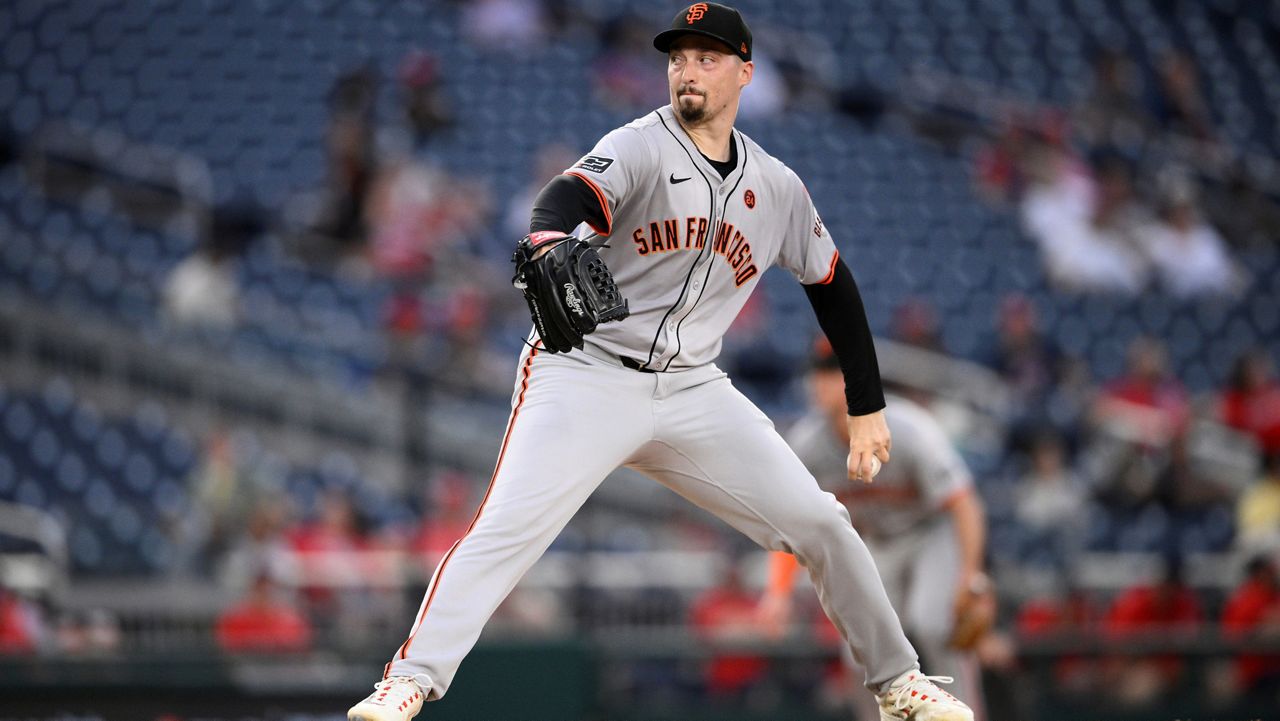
(569, 289)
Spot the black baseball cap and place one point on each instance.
(712, 20)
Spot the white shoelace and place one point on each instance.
(920, 683)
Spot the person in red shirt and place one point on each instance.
(726, 613)
(20, 624)
(1251, 402)
(1140, 415)
(1165, 609)
(446, 519)
(1147, 403)
(1063, 615)
(328, 551)
(263, 623)
(1253, 612)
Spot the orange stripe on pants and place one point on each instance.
(527, 371)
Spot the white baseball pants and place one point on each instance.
(577, 417)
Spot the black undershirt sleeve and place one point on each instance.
(843, 318)
(563, 203)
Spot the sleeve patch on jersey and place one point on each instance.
(594, 163)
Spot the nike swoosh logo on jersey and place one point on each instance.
(676, 181)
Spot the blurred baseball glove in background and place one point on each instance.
(975, 613)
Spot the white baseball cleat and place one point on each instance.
(398, 698)
(914, 696)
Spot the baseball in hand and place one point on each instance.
(875, 467)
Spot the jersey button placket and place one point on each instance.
(699, 269)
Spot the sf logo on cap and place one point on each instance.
(696, 11)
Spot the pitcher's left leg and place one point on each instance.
(715, 448)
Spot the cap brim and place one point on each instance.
(663, 40)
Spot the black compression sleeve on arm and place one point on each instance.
(563, 203)
(843, 318)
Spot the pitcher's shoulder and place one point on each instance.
(776, 171)
(647, 123)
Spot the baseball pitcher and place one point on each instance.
(619, 371)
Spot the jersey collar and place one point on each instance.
(668, 115)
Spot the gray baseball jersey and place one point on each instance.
(909, 493)
(686, 246)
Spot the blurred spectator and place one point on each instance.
(1253, 613)
(263, 622)
(1067, 613)
(351, 163)
(263, 548)
(335, 528)
(418, 217)
(1059, 188)
(467, 359)
(626, 75)
(446, 518)
(1242, 210)
(1113, 114)
(201, 290)
(1181, 485)
(1147, 404)
(1024, 356)
(1070, 400)
(1166, 609)
(505, 25)
(1251, 401)
(228, 496)
(427, 107)
(1258, 511)
(1138, 416)
(915, 323)
(1084, 227)
(22, 626)
(327, 550)
(1179, 105)
(221, 498)
(999, 168)
(726, 613)
(1188, 255)
(1051, 497)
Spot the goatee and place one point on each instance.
(690, 113)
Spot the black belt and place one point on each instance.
(635, 365)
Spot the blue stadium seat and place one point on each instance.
(72, 474)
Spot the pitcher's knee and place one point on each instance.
(819, 527)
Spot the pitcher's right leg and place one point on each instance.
(556, 451)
